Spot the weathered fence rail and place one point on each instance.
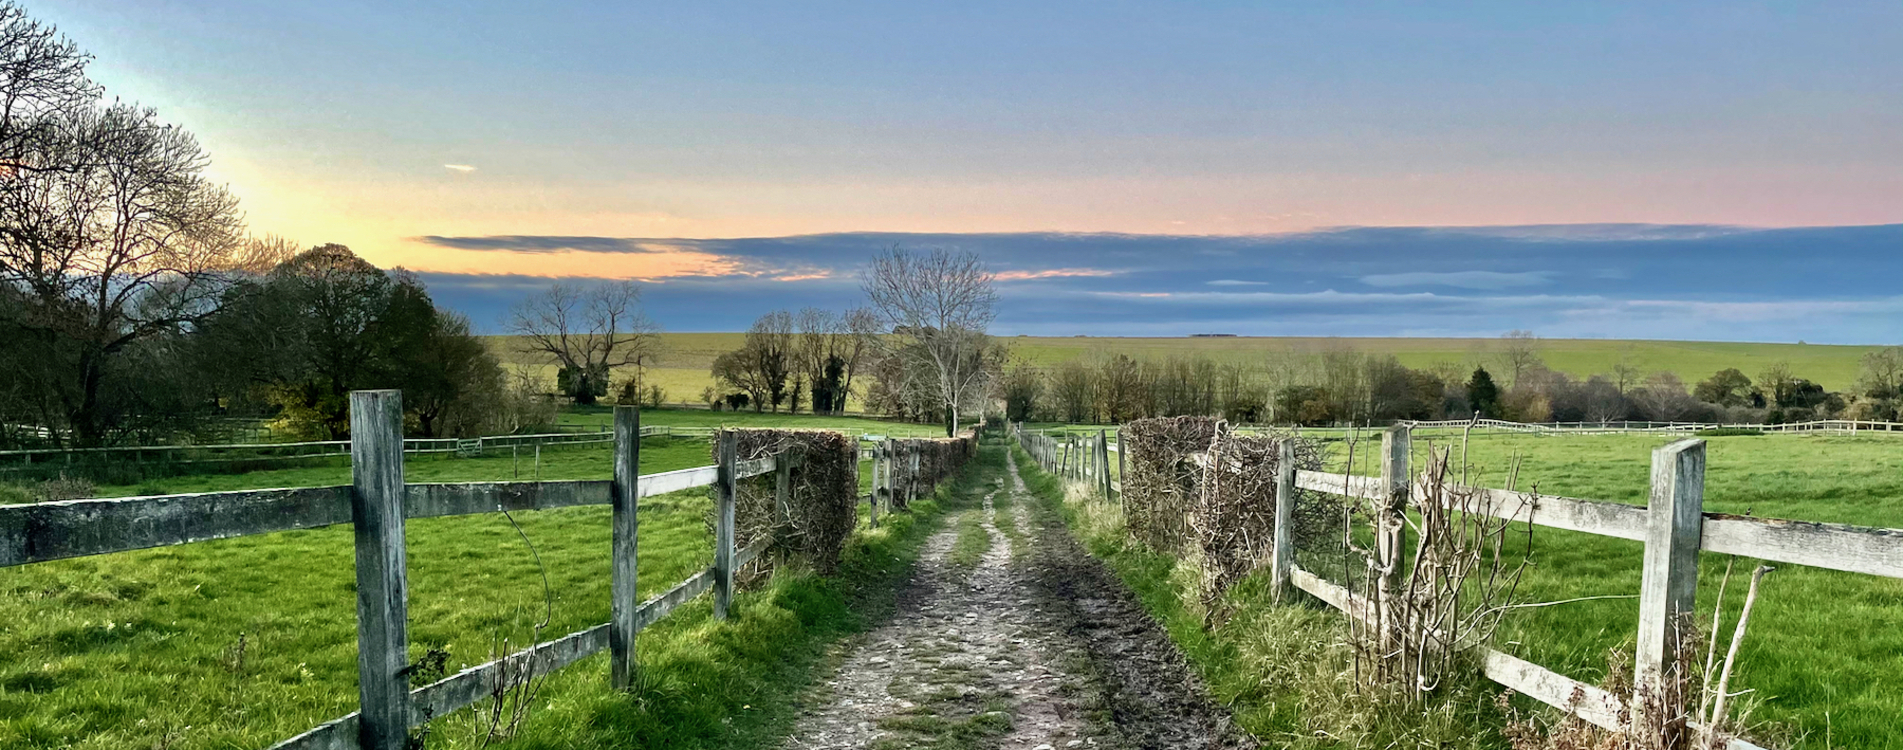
(377, 503)
(1673, 526)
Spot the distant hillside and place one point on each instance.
(683, 368)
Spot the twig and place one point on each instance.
(1731, 658)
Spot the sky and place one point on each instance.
(1721, 170)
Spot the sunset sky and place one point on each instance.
(496, 144)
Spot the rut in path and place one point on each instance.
(1034, 646)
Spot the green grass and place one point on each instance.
(686, 357)
(126, 650)
(1825, 649)
(1283, 670)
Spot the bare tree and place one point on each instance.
(1519, 352)
(1626, 373)
(110, 235)
(588, 331)
(1663, 398)
(828, 352)
(769, 350)
(939, 305)
(42, 80)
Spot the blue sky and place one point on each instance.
(1010, 126)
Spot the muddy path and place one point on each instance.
(1010, 636)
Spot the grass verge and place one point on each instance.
(1283, 670)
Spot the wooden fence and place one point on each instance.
(1673, 526)
(377, 503)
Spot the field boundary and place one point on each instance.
(378, 502)
(1673, 526)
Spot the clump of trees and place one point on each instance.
(588, 331)
(324, 322)
(921, 342)
(792, 360)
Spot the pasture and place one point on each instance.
(244, 642)
(685, 357)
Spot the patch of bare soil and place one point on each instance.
(1034, 646)
(1144, 687)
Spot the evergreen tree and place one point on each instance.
(1483, 394)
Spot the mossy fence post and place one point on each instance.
(723, 524)
(1395, 443)
(1103, 461)
(1282, 554)
(626, 494)
(376, 509)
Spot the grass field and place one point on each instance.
(243, 642)
(1824, 655)
(686, 357)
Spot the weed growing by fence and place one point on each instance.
(1284, 671)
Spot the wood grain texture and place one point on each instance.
(624, 547)
(377, 510)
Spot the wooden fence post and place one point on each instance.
(880, 475)
(783, 485)
(1282, 555)
(914, 477)
(624, 561)
(1122, 463)
(723, 524)
(376, 509)
(1668, 590)
(1103, 461)
(1395, 444)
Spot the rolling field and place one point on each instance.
(686, 357)
(244, 642)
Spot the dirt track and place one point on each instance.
(1031, 645)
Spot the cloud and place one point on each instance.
(1488, 280)
(540, 244)
(1053, 273)
(1618, 281)
(463, 168)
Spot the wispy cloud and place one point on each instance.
(539, 244)
(1236, 282)
(463, 168)
(1054, 273)
(1460, 279)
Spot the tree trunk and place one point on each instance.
(951, 421)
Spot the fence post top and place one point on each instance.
(1678, 447)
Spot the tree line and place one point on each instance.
(1509, 380)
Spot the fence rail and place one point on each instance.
(1673, 526)
(1613, 427)
(377, 503)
